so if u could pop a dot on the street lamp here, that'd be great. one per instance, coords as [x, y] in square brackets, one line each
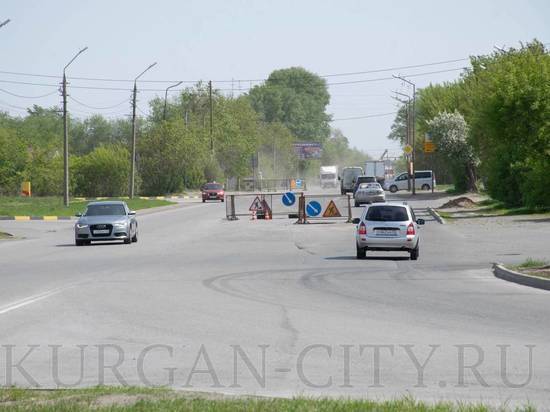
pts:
[413, 127]
[408, 130]
[4, 23]
[166, 97]
[66, 133]
[133, 150]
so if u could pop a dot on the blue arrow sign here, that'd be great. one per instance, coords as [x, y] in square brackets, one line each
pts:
[289, 199]
[313, 208]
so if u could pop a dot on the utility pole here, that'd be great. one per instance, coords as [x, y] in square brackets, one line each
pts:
[65, 130]
[211, 115]
[413, 133]
[133, 148]
[166, 98]
[407, 131]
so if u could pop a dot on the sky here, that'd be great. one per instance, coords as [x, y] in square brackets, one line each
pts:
[233, 41]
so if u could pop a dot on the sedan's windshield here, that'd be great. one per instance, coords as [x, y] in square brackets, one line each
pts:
[213, 186]
[387, 214]
[106, 210]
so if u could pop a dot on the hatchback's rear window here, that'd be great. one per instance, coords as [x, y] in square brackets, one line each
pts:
[387, 214]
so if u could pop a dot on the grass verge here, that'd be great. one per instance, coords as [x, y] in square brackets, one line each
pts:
[156, 400]
[53, 206]
[4, 235]
[491, 207]
[534, 267]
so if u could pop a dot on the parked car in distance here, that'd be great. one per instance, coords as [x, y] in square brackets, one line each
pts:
[369, 193]
[349, 176]
[362, 179]
[106, 221]
[212, 191]
[387, 227]
[423, 181]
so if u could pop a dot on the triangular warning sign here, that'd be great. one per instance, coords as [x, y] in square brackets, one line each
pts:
[257, 205]
[332, 210]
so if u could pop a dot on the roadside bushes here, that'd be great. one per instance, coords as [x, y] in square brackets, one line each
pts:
[13, 162]
[103, 172]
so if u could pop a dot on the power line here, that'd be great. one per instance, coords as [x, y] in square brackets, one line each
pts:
[368, 116]
[99, 108]
[106, 79]
[28, 97]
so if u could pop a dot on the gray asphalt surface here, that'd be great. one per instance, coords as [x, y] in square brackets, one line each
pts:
[273, 308]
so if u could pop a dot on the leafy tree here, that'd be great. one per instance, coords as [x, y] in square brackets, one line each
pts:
[450, 133]
[13, 161]
[296, 98]
[103, 172]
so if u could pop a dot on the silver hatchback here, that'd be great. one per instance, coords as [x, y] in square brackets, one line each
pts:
[388, 227]
[105, 221]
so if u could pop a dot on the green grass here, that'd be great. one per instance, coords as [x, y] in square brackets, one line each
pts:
[4, 235]
[156, 400]
[53, 206]
[530, 263]
[491, 207]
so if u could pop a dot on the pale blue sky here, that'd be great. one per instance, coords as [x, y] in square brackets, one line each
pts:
[224, 40]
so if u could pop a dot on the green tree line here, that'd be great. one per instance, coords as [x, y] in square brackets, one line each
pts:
[176, 147]
[491, 126]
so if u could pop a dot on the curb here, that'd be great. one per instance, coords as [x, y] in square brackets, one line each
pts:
[436, 215]
[84, 199]
[49, 218]
[506, 274]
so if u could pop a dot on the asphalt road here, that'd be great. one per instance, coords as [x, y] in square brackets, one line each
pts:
[273, 308]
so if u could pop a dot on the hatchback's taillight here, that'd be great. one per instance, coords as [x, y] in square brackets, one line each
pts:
[362, 229]
[410, 229]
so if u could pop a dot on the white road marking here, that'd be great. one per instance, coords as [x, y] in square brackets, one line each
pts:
[32, 299]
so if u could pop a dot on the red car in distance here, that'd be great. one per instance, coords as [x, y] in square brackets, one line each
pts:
[212, 191]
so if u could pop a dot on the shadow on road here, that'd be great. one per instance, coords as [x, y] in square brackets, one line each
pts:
[394, 258]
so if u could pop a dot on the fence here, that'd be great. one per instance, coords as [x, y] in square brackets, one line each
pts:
[289, 204]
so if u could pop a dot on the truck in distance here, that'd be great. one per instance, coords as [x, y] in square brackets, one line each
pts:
[328, 176]
[349, 178]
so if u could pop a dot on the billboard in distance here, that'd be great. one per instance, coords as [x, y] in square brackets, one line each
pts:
[308, 150]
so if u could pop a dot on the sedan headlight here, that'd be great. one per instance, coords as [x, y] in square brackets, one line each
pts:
[120, 225]
[81, 225]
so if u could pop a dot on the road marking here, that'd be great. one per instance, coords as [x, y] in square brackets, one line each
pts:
[32, 299]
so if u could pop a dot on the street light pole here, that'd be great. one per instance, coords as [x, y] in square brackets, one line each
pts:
[413, 128]
[133, 148]
[4, 22]
[166, 98]
[408, 131]
[66, 132]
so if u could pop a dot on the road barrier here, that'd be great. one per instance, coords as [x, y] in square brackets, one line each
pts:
[324, 207]
[262, 205]
[298, 205]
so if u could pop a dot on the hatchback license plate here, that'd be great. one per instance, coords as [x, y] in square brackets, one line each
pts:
[101, 232]
[386, 232]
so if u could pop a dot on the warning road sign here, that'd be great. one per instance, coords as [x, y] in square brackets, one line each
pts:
[258, 205]
[332, 210]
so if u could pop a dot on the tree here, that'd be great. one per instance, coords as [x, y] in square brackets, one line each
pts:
[103, 172]
[296, 98]
[13, 161]
[450, 133]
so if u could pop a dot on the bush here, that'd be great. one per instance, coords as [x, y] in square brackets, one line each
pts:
[103, 172]
[13, 159]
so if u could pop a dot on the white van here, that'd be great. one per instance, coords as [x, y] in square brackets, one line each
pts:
[423, 181]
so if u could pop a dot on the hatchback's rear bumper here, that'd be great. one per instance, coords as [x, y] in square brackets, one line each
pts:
[387, 243]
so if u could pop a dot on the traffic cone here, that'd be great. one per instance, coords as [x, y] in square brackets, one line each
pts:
[267, 215]
[253, 215]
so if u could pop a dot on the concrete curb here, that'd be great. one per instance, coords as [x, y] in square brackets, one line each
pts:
[91, 199]
[506, 274]
[436, 215]
[49, 218]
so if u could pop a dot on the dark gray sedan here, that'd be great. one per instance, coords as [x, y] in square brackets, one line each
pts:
[106, 221]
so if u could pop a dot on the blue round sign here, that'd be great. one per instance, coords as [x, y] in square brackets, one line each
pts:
[313, 208]
[289, 199]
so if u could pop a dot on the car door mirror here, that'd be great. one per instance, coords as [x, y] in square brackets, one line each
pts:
[355, 221]
[420, 221]
[132, 213]
[78, 214]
